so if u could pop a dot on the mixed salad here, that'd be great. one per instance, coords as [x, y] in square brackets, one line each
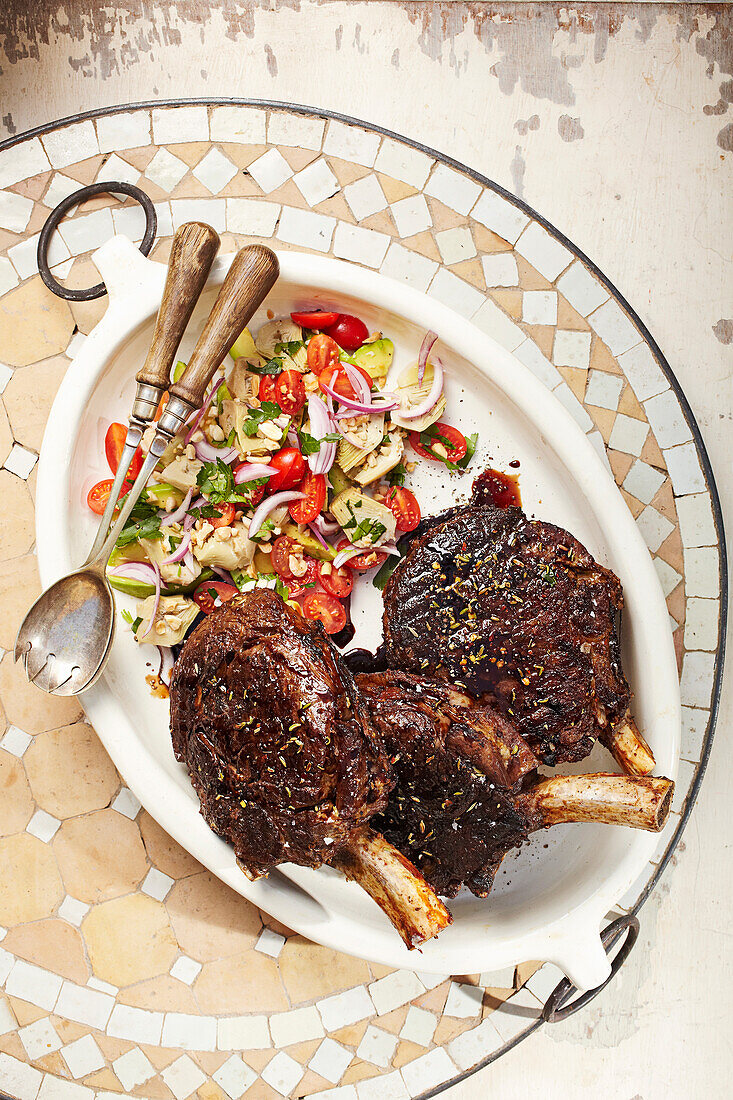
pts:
[291, 475]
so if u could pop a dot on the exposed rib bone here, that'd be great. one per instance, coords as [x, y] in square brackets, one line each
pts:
[628, 747]
[396, 885]
[641, 802]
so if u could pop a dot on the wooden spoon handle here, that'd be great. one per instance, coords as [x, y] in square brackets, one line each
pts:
[248, 281]
[194, 247]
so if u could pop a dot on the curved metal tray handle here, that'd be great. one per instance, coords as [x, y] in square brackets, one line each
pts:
[559, 1005]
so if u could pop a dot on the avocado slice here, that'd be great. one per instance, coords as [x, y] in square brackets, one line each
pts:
[309, 542]
[374, 358]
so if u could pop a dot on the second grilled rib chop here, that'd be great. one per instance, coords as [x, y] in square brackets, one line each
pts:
[283, 755]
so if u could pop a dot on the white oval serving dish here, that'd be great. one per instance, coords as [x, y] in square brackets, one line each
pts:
[550, 899]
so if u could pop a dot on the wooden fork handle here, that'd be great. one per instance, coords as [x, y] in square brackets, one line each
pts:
[194, 248]
[248, 281]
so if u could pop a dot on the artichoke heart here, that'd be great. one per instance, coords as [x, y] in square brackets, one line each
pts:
[243, 384]
[365, 521]
[412, 393]
[283, 331]
[372, 434]
[381, 461]
[172, 619]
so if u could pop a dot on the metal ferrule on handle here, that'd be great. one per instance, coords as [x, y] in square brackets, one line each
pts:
[146, 402]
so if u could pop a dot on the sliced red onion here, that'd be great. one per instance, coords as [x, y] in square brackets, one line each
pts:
[319, 536]
[422, 361]
[435, 391]
[188, 521]
[179, 515]
[167, 661]
[358, 382]
[148, 574]
[345, 555]
[322, 423]
[326, 526]
[268, 505]
[224, 574]
[189, 561]
[362, 406]
[207, 452]
[349, 436]
[179, 552]
[204, 408]
[251, 471]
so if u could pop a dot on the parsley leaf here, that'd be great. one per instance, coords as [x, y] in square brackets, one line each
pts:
[368, 528]
[291, 348]
[272, 366]
[268, 410]
[397, 474]
[267, 528]
[143, 523]
[432, 435]
[386, 570]
[217, 484]
[309, 445]
[471, 441]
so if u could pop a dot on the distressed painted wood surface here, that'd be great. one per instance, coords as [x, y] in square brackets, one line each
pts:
[614, 122]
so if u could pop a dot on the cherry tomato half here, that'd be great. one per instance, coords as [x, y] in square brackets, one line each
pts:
[341, 383]
[337, 582]
[114, 445]
[266, 391]
[290, 466]
[367, 559]
[315, 320]
[290, 391]
[404, 507]
[325, 608]
[323, 353]
[306, 510]
[300, 585]
[98, 495]
[212, 594]
[283, 548]
[225, 517]
[451, 439]
[348, 332]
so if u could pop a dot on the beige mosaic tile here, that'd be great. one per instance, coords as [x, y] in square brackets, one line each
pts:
[18, 805]
[49, 335]
[100, 855]
[30, 885]
[52, 944]
[69, 771]
[24, 706]
[129, 939]
[210, 920]
[309, 970]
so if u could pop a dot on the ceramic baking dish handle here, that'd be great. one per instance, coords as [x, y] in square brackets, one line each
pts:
[583, 958]
[563, 1001]
[129, 274]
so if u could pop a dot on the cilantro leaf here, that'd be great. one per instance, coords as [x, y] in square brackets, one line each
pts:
[272, 366]
[267, 528]
[143, 523]
[471, 442]
[385, 571]
[309, 445]
[290, 347]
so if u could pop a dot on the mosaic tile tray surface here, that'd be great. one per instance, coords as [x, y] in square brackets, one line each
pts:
[127, 968]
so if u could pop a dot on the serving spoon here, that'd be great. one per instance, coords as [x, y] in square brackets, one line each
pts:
[66, 636]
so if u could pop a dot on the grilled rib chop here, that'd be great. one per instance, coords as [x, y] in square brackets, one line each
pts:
[283, 755]
[516, 611]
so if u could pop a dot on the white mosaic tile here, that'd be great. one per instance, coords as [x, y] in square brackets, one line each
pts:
[456, 293]
[240, 125]
[500, 269]
[684, 469]
[252, 217]
[305, 228]
[419, 1026]
[695, 515]
[343, 1009]
[654, 527]
[528, 353]
[60, 188]
[500, 216]
[83, 1056]
[669, 578]
[298, 131]
[344, 1092]
[696, 679]
[25, 159]
[39, 1038]
[685, 775]
[296, 1026]
[377, 1046]
[387, 1086]
[365, 197]
[408, 267]
[136, 1024]
[86, 1006]
[411, 215]
[582, 289]
[88, 231]
[702, 566]
[668, 423]
[133, 1069]
[270, 943]
[453, 189]
[428, 1071]
[15, 741]
[243, 1033]
[185, 970]
[126, 803]
[235, 1077]
[34, 984]
[402, 162]
[210, 211]
[394, 990]
[643, 481]
[316, 182]
[214, 171]
[701, 624]
[628, 435]
[15, 211]
[364, 246]
[183, 1077]
[102, 987]
[456, 244]
[24, 259]
[117, 170]
[179, 124]
[643, 372]
[282, 1073]
[603, 390]
[127, 130]
[7, 962]
[166, 170]
[70, 144]
[8, 275]
[62, 270]
[463, 1001]
[571, 349]
[614, 327]
[543, 251]
[43, 826]
[54, 1088]
[331, 1060]
[694, 728]
[351, 143]
[516, 1015]
[8, 1021]
[567, 398]
[474, 1045]
[184, 1031]
[539, 307]
[156, 884]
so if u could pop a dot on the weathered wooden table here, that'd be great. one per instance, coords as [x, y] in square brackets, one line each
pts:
[613, 121]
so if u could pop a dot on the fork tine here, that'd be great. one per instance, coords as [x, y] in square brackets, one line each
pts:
[34, 662]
